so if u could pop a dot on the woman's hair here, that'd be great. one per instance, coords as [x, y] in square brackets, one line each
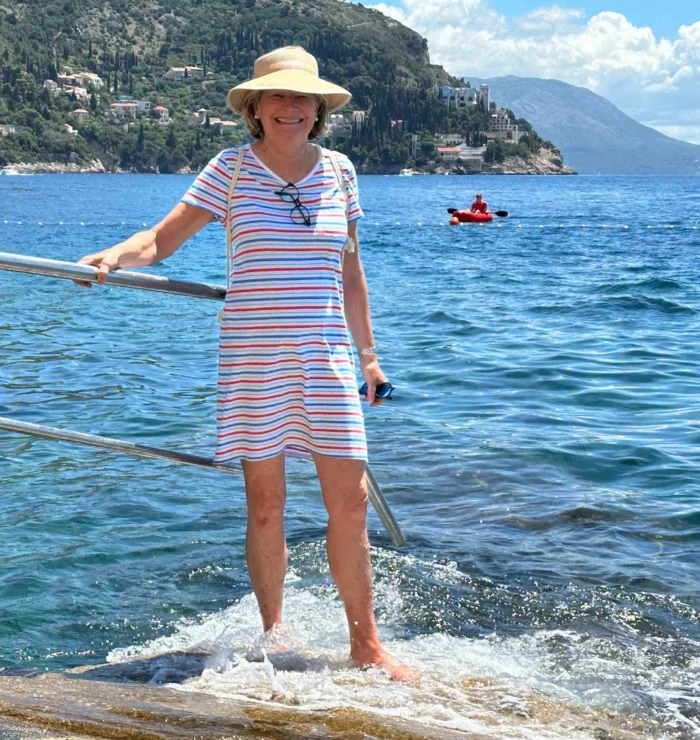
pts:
[251, 99]
[478, 195]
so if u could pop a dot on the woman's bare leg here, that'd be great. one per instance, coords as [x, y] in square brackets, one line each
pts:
[265, 546]
[345, 496]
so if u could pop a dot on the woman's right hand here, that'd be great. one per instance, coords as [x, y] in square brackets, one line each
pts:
[104, 261]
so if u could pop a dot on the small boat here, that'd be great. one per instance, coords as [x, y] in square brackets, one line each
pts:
[469, 217]
[9, 171]
[406, 173]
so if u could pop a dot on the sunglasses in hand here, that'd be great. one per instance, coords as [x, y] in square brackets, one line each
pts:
[382, 391]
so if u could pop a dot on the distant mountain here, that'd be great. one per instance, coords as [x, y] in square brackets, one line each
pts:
[594, 136]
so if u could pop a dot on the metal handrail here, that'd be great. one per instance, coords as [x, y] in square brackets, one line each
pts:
[142, 281]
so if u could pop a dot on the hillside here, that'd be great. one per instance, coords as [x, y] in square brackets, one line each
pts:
[594, 136]
[131, 47]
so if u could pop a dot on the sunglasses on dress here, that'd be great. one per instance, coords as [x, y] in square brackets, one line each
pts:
[290, 194]
[383, 390]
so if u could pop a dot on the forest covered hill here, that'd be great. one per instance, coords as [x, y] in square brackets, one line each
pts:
[131, 46]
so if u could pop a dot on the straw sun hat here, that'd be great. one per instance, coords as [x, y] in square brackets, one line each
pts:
[288, 68]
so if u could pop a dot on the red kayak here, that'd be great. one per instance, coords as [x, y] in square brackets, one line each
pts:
[469, 217]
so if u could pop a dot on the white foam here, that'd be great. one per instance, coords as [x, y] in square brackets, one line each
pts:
[488, 685]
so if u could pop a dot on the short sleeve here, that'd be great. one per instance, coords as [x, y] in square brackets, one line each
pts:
[347, 170]
[210, 189]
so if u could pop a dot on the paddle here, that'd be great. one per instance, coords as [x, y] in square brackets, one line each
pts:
[500, 214]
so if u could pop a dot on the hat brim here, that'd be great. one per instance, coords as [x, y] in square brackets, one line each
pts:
[293, 80]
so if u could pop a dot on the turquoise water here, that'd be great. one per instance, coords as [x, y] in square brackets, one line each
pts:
[541, 452]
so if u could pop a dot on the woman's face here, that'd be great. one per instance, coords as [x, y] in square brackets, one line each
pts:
[286, 115]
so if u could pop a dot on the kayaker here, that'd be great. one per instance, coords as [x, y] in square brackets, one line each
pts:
[479, 205]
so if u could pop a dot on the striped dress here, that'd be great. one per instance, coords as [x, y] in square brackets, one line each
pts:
[286, 373]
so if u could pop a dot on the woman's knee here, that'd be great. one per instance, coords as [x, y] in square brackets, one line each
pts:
[266, 509]
[265, 492]
[349, 507]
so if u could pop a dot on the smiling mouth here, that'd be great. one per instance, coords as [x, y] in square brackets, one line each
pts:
[279, 119]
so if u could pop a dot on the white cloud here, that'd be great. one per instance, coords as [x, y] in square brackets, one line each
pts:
[656, 81]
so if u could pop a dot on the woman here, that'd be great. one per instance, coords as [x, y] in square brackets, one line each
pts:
[286, 374]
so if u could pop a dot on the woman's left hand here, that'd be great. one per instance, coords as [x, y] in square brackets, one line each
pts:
[373, 376]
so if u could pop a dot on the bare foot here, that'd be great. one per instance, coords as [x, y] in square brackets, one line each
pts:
[278, 639]
[381, 659]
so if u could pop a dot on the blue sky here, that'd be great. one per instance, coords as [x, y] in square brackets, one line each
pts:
[664, 18]
[644, 57]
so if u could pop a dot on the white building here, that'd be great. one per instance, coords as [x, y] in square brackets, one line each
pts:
[358, 117]
[80, 79]
[471, 157]
[452, 139]
[81, 114]
[123, 110]
[448, 153]
[89, 78]
[52, 87]
[163, 114]
[175, 73]
[180, 73]
[143, 106]
[503, 127]
[463, 97]
[199, 118]
[80, 92]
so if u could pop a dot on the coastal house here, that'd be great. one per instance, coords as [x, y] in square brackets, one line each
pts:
[79, 92]
[89, 78]
[163, 114]
[123, 110]
[451, 139]
[470, 157]
[80, 79]
[81, 114]
[10, 128]
[502, 126]
[52, 87]
[463, 97]
[199, 117]
[182, 73]
[448, 153]
[175, 73]
[69, 129]
[143, 106]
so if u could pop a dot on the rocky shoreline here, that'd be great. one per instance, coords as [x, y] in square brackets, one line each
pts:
[545, 162]
[56, 168]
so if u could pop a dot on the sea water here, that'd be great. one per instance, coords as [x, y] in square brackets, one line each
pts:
[541, 454]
